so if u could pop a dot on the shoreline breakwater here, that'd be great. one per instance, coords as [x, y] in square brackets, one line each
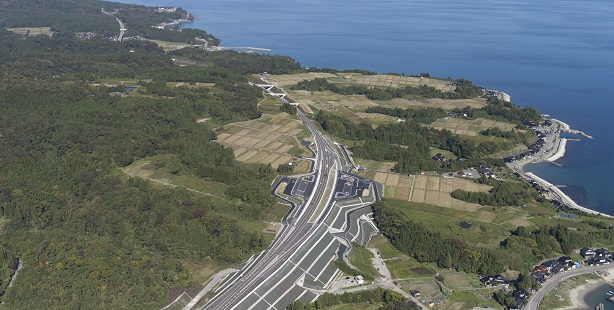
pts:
[553, 149]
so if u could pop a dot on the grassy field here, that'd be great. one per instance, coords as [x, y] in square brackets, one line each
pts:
[461, 300]
[170, 46]
[157, 170]
[202, 271]
[362, 306]
[448, 221]
[374, 165]
[291, 79]
[32, 31]
[446, 154]
[361, 258]
[348, 78]
[471, 128]
[271, 139]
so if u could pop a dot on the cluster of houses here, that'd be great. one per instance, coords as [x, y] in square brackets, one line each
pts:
[541, 132]
[533, 149]
[544, 271]
[540, 189]
[454, 114]
[166, 10]
[484, 170]
[498, 94]
[519, 295]
[547, 269]
[596, 257]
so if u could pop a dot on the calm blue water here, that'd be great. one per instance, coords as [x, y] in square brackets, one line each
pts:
[556, 55]
[599, 295]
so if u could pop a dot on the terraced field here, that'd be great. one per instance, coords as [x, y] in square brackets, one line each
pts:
[470, 128]
[432, 190]
[271, 139]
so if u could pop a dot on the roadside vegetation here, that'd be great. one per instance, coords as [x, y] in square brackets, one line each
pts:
[386, 299]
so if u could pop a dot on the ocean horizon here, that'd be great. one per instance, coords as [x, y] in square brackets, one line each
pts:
[554, 55]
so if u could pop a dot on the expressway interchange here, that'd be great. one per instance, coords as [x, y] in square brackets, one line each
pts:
[298, 265]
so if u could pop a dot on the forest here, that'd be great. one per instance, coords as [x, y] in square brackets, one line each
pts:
[87, 235]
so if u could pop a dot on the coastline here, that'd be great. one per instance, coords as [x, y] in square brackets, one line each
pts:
[577, 295]
[553, 149]
[550, 152]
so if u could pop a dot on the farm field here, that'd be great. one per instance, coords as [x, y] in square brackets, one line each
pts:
[271, 139]
[291, 79]
[32, 31]
[446, 104]
[432, 190]
[470, 128]
[389, 80]
[381, 80]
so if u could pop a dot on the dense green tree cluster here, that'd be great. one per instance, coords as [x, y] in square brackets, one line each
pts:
[391, 300]
[242, 63]
[420, 115]
[288, 108]
[8, 266]
[546, 240]
[504, 111]
[61, 15]
[467, 89]
[68, 58]
[60, 145]
[502, 194]
[504, 298]
[382, 93]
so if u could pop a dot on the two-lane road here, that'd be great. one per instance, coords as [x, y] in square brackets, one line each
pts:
[533, 302]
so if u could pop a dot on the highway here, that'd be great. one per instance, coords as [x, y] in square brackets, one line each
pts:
[244, 293]
[533, 302]
[122, 27]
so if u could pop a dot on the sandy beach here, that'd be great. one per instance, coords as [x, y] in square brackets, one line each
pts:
[577, 295]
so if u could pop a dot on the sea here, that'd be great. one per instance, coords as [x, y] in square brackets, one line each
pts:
[555, 55]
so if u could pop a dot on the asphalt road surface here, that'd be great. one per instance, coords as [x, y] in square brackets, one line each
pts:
[533, 302]
[271, 266]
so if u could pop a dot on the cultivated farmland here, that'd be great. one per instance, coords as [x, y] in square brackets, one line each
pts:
[271, 139]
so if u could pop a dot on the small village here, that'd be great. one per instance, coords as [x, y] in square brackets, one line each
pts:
[546, 270]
